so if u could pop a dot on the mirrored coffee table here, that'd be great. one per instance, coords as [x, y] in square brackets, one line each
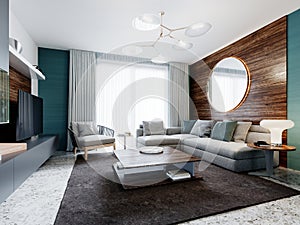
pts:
[136, 169]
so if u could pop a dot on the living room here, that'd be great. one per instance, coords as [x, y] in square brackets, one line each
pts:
[96, 62]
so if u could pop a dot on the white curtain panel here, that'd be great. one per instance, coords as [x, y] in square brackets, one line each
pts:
[129, 92]
[81, 87]
[178, 93]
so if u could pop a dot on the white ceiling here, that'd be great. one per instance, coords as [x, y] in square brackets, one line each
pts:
[105, 25]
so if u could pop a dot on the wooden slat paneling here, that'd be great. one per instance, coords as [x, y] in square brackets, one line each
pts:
[264, 52]
[17, 81]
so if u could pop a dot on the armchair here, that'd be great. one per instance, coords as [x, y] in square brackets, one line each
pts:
[86, 136]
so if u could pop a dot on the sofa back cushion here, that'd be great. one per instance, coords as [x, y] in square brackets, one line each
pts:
[153, 127]
[202, 128]
[223, 131]
[258, 133]
[187, 126]
[241, 131]
[259, 129]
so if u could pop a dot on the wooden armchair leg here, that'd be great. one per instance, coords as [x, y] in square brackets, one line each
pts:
[85, 154]
[114, 146]
[75, 150]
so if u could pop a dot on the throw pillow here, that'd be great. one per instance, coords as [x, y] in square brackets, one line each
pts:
[86, 128]
[202, 128]
[223, 131]
[196, 128]
[205, 127]
[187, 126]
[241, 131]
[153, 127]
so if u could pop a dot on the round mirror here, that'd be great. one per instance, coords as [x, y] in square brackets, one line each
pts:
[228, 85]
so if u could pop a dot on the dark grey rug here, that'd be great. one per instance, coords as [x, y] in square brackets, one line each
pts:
[92, 199]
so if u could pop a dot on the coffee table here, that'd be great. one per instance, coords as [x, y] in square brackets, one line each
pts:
[136, 169]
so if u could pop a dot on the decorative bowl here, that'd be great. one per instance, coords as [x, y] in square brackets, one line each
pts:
[15, 44]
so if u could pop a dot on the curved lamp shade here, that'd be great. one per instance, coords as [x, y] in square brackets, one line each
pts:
[197, 29]
[182, 45]
[276, 128]
[146, 22]
[159, 59]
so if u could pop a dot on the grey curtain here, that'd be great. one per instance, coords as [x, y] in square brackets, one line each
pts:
[178, 93]
[82, 91]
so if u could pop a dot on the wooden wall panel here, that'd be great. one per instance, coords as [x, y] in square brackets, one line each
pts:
[264, 52]
[16, 81]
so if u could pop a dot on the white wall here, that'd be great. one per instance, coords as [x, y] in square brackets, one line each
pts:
[30, 49]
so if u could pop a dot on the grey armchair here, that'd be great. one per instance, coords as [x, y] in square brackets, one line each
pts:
[86, 136]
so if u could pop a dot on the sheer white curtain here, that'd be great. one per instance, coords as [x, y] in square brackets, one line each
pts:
[128, 93]
[178, 93]
[82, 93]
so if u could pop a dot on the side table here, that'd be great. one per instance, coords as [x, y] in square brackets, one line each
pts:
[124, 135]
[269, 156]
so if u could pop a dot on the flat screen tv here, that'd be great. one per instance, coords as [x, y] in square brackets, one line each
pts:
[30, 116]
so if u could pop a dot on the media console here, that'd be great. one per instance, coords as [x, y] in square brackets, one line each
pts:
[16, 168]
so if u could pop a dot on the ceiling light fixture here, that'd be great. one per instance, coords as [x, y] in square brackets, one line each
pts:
[147, 22]
[132, 50]
[181, 45]
[159, 59]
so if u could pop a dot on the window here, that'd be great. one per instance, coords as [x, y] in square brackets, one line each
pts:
[129, 94]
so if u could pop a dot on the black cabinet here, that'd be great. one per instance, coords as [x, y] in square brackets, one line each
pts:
[16, 170]
[6, 180]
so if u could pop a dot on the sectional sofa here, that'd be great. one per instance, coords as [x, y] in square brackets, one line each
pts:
[232, 155]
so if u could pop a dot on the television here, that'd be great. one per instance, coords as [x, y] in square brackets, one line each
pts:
[30, 116]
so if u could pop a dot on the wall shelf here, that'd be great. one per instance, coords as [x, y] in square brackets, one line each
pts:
[21, 64]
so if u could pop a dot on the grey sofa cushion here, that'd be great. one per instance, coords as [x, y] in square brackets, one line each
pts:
[153, 127]
[184, 136]
[139, 132]
[259, 129]
[228, 163]
[155, 140]
[258, 133]
[231, 150]
[187, 126]
[202, 128]
[91, 140]
[85, 129]
[223, 131]
[80, 126]
[241, 131]
[256, 136]
[173, 130]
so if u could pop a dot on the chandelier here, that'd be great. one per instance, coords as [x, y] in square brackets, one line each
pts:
[148, 22]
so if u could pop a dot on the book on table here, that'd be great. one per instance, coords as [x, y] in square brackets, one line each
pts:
[178, 174]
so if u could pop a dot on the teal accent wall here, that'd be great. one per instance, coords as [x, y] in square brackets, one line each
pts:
[54, 91]
[293, 93]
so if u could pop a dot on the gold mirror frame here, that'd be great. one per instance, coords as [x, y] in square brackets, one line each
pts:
[242, 98]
